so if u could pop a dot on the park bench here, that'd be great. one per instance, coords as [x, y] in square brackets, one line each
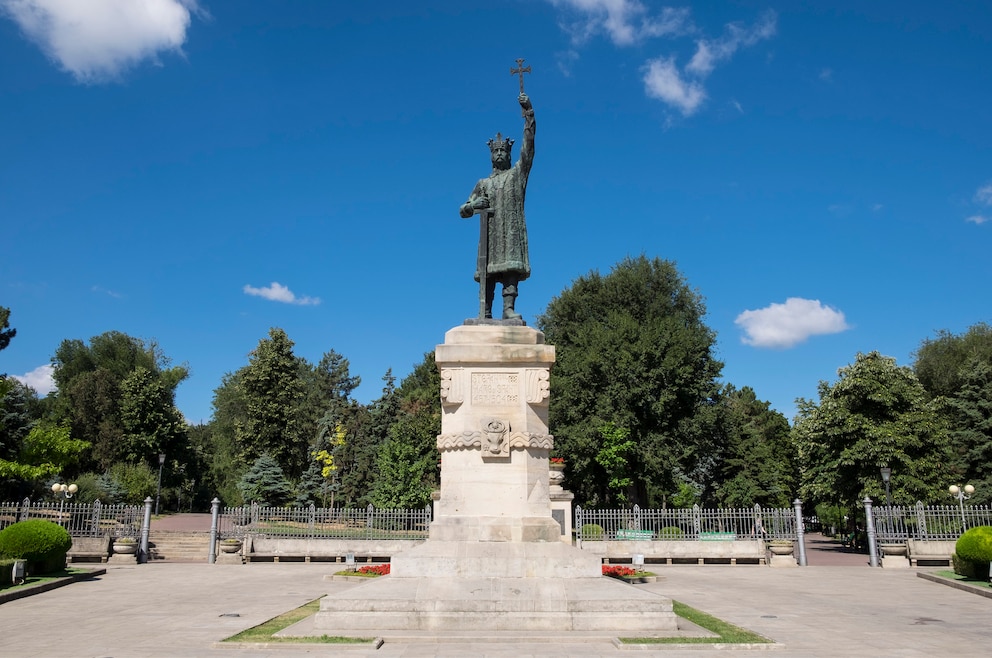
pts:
[929, 551]
[89, 549]
[259, 548]
[721, 550]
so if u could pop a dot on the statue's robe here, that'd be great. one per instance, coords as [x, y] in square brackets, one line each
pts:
[506, 191]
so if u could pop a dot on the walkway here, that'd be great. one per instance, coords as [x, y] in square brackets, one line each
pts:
[166, 610]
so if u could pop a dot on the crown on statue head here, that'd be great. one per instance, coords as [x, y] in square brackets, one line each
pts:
[506, 144]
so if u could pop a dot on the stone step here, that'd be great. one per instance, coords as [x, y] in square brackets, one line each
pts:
[179, 546]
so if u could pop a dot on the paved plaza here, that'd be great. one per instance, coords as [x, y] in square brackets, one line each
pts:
[185, 609]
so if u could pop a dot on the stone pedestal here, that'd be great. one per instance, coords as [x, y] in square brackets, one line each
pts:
[494, 559]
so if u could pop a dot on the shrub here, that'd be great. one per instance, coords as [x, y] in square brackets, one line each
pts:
[973, 552]
[593, 531]
[670, 532]
[6, 570]
[41, 543]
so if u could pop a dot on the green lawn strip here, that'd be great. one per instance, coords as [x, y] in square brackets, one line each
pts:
[728, 633]
[266, 631]
[32, 581]
[950, 575]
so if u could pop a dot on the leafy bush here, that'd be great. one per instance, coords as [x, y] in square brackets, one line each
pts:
[6, 570]
[42, 543]
[670, 532]
[973, 552]
[593, 532]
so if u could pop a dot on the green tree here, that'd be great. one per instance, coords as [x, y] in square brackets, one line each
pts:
[970, 416]
[265, 483]
[941, 364]
[6, 332]
[367, 430]
[614, 458]
[632, 350]
[89, 394]
[875, 414]
[756, 462]
[272, 390]
[150, 421]
[47, 449]
[408, 461]
[955, 371]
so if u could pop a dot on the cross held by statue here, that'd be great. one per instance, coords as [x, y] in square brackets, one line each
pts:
[520, 70]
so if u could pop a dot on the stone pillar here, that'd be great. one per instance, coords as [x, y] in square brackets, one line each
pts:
[494, 439]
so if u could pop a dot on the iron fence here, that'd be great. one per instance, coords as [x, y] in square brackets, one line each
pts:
[686, 524]
[897, 524]
[80, 519]
[324, 523]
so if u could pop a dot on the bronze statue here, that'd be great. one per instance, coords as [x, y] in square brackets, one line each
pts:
[499, 199]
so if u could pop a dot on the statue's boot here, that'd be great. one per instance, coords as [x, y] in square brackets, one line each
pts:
[509, 300]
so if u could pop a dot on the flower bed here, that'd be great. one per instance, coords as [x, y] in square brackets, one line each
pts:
[374, 570]
[628, 574]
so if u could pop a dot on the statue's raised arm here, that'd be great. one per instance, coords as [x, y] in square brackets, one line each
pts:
[527, 150]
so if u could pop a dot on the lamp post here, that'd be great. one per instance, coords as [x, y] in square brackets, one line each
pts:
[886, 474]
[63, 492]
[962, 494]
[158, 491]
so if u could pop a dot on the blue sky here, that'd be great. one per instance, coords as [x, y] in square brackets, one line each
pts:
[195, 173]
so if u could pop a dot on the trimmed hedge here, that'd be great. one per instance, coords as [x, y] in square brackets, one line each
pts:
[593, 531]
[41, 543]
[6, 570]
[973, 552]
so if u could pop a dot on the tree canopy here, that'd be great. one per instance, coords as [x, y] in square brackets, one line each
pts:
[632, 351]
[876, 414]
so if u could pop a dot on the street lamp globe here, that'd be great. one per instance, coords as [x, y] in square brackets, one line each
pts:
[968, 489]
[57, 488]
[954, 489]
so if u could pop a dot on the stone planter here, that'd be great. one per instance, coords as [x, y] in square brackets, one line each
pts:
[781, 554]
[895, 556]
[228, 546]
[125, 548]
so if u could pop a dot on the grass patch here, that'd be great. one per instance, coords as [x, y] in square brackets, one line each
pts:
[728, 633]
[950, 575]
[266, 631]
[31, 581]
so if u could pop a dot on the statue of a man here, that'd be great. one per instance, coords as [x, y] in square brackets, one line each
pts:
[503, 193]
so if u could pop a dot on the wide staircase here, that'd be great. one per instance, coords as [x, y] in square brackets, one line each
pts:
[178, 546]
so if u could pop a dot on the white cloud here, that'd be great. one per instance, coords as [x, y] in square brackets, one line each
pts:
[95, 40]
[710, 52]
[276, 292]
[977, 219]
[109, 293]
[40, 379]
[984, 194]
[626, 22]
[827, 74]
[663, 81]
[786, 325]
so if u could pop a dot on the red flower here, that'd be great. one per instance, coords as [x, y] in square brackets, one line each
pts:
[617, 571]
[377, 569]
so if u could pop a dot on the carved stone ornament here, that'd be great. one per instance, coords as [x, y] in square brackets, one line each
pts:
[520, 440]
[494, 433]
[452, 386]
[538, 387]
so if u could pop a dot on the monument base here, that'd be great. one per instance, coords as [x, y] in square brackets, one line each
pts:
[495, 586]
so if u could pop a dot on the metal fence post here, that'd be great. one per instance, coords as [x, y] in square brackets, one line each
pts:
[578, 526]
[214, 511]
[146, 526]
[870, 523]
[95, 518]
[800, 531]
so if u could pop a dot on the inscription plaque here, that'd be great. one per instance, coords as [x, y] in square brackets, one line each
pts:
[495, 388]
